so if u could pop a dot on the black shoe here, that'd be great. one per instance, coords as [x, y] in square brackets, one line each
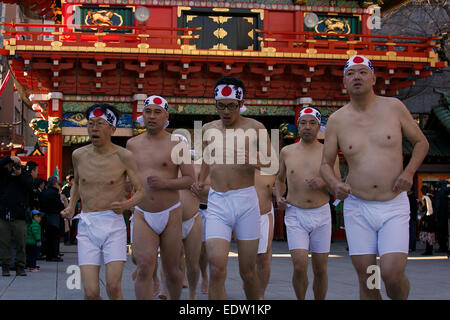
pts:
[60, 254]
[54, 260]
[426, 253]
[5, 271]
[20, 271]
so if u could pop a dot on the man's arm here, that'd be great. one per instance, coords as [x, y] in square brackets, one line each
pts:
[265, 155]
[329, 159]
[412, 132]
[69, 211]
[184, 182]
[132, 173]
[280, 182]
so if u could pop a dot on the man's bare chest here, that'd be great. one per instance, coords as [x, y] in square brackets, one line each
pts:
[358, 138]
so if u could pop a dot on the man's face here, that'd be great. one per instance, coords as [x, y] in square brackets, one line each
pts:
[359, 79]
[100, 131]
[308, 128]
[228, 110]
[154, 117]
[34, 172]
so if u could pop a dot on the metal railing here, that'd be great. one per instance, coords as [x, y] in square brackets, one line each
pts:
[174, 38]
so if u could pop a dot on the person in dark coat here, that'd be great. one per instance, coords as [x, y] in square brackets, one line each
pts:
[441, 205]
[51, 205]
[16, 188]
[412, 219]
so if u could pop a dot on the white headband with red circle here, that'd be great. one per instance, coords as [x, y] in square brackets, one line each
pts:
[159, 101]
[227, 91]
[309, 111]
[358, 60]
[109, 116]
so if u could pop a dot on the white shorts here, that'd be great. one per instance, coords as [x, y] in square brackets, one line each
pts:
[236, 210]
[186, 226]
[264, 231]
[101, 232]
[202, 213]
[372, 225]
[308, 228]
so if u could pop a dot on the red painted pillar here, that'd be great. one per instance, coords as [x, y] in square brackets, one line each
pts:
[138, 105]
[54, 154]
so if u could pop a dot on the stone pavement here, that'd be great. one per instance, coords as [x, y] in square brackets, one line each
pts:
[429, 278]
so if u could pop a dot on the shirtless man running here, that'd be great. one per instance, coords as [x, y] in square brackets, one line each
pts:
[264, 188]
[157, 218]
[232, 200]
[368, 130]
[308, 217]
[100, 172]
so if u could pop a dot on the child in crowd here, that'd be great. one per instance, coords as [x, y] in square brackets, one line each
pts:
[33, 240]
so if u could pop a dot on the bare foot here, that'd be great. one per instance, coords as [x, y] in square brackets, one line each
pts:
[162, 296]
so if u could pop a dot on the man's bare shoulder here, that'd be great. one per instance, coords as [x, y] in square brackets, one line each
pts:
[339, 114]
[212, 124]
[286, 150]
[391, 103]
[135, 140]
[253, 123]
[82, 151]
[125, 155]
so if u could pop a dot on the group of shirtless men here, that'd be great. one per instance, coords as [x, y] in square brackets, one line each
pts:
[177, 202]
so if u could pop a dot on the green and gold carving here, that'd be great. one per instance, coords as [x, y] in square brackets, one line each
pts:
[82, 106]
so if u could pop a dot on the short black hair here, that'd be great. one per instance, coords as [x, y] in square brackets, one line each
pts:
[230, 80]
[38, 181]
[104, 107]
[69, 177]
[52, 181]
[30, 166]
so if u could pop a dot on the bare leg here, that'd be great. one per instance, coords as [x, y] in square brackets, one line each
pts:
[392, 267]
[361, 263]
[264, 260]
[163, 293]
[145, 246]
[300, 275]
[91, 282]
[192, 248]
[247, 252]
[170, 254]
[319, 266]
[156, 282]
[113, 274]
[217, 251]
[203, 266]
[183, 266]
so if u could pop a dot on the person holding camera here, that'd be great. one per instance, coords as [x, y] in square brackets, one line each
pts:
[16, 187]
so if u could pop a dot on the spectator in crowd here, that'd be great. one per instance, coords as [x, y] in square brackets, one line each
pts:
[441, 206]
[51, 205]
[33, 240]
[39, 186]
[70, 236]
[412, 219]
[427, 223]
[16, 188]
